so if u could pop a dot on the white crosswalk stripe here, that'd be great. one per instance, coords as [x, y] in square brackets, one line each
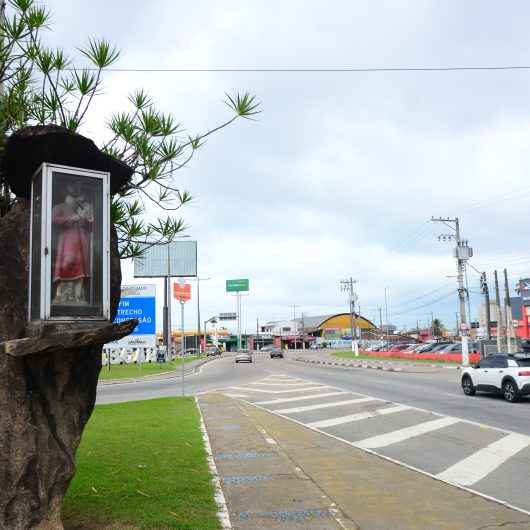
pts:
[325, 405]
[288, 391]
[299, 398]
[481, 463]
[401, 435]
[285, 384]
[332, 422]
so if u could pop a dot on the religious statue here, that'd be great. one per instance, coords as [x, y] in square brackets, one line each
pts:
[73, 220]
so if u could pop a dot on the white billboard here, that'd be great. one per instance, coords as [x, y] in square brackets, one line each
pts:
[178, 258]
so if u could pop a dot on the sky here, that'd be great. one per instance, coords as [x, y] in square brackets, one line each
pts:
[341, 172]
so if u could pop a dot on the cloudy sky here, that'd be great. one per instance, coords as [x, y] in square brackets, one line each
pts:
[341, 172]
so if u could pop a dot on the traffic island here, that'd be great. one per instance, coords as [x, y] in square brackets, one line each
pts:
[142, 465]
[278, 474]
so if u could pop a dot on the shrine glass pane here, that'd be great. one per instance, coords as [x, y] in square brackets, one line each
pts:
[76, 246]
[36, 248]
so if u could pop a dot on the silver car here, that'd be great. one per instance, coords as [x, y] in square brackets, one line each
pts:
[244, 356]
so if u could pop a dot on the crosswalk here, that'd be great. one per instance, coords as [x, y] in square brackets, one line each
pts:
[486, 460]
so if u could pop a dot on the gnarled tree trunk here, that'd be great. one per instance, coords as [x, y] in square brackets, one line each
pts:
[46, 398]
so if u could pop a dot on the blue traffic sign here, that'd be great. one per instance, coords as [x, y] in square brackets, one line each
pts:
[141, 307]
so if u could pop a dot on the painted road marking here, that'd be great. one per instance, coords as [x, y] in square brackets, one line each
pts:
[247, 389]
[293, 383]
[236, 395]
[298, 398]
[356, 417]
[325, 405]
[401, 435]
[480, 464]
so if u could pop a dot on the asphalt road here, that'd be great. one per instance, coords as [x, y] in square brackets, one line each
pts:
[421, 420]
[437, 391]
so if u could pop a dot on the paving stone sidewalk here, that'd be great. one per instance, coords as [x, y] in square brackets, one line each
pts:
[277, 474]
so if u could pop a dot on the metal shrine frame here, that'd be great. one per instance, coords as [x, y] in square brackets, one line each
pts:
[47, 171]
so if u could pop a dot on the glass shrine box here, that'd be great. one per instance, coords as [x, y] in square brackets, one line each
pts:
[69, 244]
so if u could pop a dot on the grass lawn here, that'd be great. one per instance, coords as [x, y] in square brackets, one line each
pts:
[142, 465]
[347, 354]
[125, 371]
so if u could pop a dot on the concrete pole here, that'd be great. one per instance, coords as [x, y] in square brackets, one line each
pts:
[499, 313]
[183, 344]
[238, 302]
[508, 313]
[460, 270]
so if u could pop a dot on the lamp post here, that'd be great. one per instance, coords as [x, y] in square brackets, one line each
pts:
[199, 280]
[347, 287]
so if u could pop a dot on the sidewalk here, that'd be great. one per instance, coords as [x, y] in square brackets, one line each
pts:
[278, 474]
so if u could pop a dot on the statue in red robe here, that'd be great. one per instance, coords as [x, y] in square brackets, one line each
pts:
[73, 220]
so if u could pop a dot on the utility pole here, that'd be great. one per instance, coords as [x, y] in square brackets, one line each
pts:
[386, 317]
[508, 313]
[462, 253]
[347, 287]
[486, 292]
[257, 334]
[295, 324]
[499, 312]
[432, 324]
[303, 332]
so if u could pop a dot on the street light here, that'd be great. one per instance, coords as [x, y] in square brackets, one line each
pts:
[199, 280]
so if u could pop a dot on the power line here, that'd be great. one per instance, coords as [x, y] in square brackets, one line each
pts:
[305, 69]
[428, 304]
[425, 295]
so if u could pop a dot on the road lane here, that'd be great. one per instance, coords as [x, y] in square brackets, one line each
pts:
[437, 392]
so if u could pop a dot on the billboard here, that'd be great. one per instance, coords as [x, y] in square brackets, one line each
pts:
[137, 301]
[181, 256]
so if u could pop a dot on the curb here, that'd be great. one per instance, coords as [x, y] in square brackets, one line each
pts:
[156, 377]
[352, 365]
[364, 364]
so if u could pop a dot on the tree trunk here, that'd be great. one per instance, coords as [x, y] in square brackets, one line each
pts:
[46, 398]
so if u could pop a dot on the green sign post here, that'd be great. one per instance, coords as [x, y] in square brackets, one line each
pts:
[235, 286]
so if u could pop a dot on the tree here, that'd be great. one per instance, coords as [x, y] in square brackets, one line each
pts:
[437, 327]
[42, 86]
[48, 377]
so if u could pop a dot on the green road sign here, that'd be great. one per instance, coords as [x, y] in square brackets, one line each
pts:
[233, 286]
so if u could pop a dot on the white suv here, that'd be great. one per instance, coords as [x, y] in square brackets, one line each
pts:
[501, 373]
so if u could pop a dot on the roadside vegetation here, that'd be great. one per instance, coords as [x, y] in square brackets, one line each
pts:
[133, 370]
[142, 465]
[347, 354]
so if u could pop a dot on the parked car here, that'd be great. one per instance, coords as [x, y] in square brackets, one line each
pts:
[212, 351]
[439, 346]
[456, 347]
[501, 373]
[244, 356]
[276, 352]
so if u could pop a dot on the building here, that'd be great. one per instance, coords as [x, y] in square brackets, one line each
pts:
[307, 330]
